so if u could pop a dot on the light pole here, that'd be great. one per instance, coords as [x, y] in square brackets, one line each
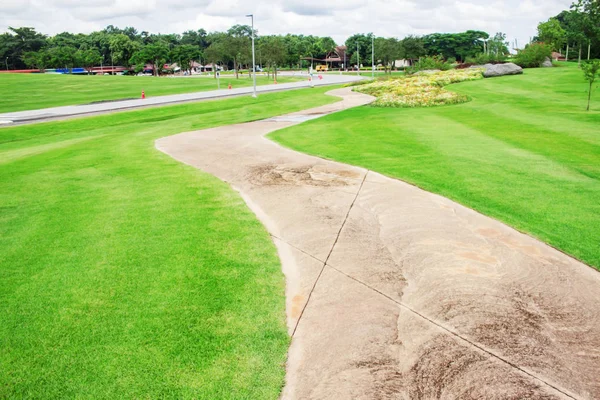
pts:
[6, 63]
[357, 60]
[372, 56]
[251, 16]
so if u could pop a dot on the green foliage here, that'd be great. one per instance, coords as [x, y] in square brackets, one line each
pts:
[122, 49]
[272, 49]
[364, 48]
[185, 54]
[533, 55]
[414, 47]
[430, 63]
[591, 71]
[88, 58]
[581, 25]
[456, 45]
[497, 46]
[387, 51]
[155, 54]
[483, 58]
[552, 33]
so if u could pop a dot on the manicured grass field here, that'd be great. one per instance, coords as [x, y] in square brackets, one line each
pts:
[524, 151]
[125, 274]
[33, 91]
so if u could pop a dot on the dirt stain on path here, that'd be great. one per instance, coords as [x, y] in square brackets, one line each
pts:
[397, 293]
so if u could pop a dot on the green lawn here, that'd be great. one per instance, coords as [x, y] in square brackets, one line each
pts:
[524, 151]
[125, 274]
[33, 91]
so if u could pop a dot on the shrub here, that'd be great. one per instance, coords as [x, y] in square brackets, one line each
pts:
[484, 58]
[424, 90]
[428, 63]
[533, 55]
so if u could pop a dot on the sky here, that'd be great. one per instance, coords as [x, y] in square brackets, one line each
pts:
[336, 18]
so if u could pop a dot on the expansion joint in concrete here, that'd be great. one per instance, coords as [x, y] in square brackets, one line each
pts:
[337, 237]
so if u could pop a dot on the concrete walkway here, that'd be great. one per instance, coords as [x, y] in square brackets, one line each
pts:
[397, 293]
[23, 117]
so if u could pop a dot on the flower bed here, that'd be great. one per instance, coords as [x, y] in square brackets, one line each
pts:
[420, 90]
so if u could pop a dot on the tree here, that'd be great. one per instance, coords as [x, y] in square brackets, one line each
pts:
[327, 45]
[216, 52]
[155, 54]
[195, 38]
[63, 57]
[237, 46]
[36, 59]
[122, 48]
[591, 71]
[16, 42]
[455, 45]
[88, 58]
[498, 45]
[414, 47]
[552, 33]
[364, 47]
[186, 54]
[388, 51]
[273, 52]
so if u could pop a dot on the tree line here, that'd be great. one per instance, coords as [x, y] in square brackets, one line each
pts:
[575, 32]
[24, 47]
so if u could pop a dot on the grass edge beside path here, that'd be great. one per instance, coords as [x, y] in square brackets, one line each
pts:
[524, 151]
[126, 274]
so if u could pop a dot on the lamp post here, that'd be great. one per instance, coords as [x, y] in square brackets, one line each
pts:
[372, 56]
[251, 16]
[357, 60]
[6, 63]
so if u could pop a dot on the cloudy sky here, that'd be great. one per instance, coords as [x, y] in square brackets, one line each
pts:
[335, 18]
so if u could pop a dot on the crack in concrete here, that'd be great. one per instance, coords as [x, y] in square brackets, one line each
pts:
[328, 255]
[422, 316]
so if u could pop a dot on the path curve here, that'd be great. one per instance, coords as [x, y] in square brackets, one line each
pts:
[397, 293]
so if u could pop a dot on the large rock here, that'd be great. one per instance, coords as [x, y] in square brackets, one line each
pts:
[492, 70]
[547, 63]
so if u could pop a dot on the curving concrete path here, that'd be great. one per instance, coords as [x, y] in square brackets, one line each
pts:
[397, 293]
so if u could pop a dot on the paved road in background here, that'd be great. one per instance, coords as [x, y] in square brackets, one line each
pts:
[31, 116]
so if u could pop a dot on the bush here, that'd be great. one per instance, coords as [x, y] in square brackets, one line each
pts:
[533, 55]
[429, 63]
[483, 58]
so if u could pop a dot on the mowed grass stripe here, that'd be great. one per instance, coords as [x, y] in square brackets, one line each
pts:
[520, 152]
[125, 274]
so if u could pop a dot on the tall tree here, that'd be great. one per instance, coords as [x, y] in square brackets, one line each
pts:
[552, 33]
[414, 47]
[18, 41]
[273, 52]
[156, 54]
[455, 45]
[88, 58]
[498, 45]
[122, 48]
[388, 50]
[185, 55]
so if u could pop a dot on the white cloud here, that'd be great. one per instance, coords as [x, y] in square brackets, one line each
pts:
[336, 18]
